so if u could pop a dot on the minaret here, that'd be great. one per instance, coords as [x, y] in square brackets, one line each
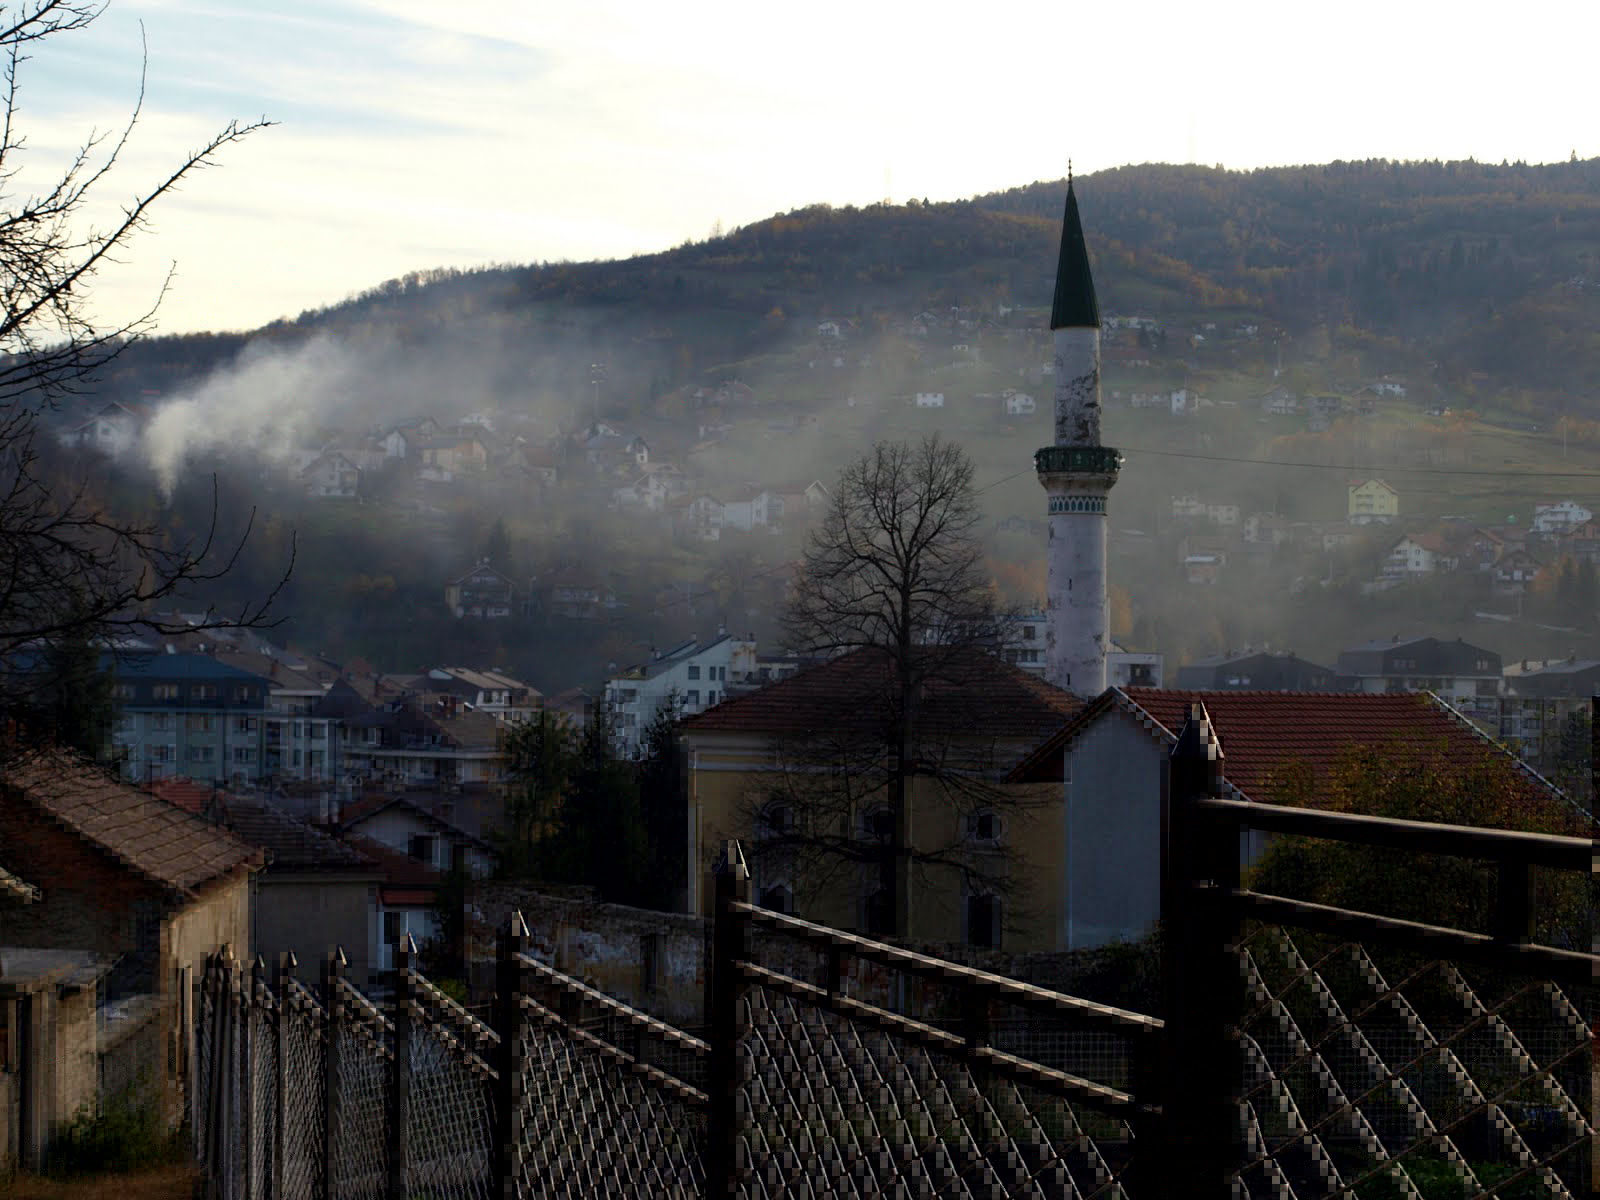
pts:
[1077, 473]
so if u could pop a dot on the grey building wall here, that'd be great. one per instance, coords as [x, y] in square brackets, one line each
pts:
[310, 914]
[1113, 834]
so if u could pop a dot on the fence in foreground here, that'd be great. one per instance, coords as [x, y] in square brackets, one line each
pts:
[1307, 1052]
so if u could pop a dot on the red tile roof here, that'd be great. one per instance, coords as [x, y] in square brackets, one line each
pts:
[148, 835]
[185, 793]
[974, 693]
[1263, 733]
[406, 880]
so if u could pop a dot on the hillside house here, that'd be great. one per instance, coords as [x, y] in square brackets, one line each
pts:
[578, 597]
[1417, 555]
[1513, 571]
[1107, 764]
[483, 593]
[751, 509]
[1559, 516]
[505, 699]
[1018, 404]
[1582, 542]
[405, 440]
[331, 475]
[112, 429]
[1279, 401]
[928, 400]
[1371, 502]
[408, 827]
[698, 519]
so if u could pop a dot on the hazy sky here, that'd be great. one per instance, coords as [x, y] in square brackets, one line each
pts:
[410, 137]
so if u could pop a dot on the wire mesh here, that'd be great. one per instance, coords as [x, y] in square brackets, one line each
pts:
[450, 1120]
[592, 1127]
[303, 1050]
[1385, 1073]
[204, 1067]
[264, 1094]
[831, 1107]
[364, 1050]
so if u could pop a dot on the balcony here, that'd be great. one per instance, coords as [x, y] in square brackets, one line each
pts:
[1081, 460]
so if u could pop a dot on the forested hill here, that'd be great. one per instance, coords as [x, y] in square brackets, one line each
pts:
[1482, 269]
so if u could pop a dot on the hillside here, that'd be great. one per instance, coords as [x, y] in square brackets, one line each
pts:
[1487, 277]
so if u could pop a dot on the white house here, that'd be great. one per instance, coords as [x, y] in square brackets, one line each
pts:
[700, 518]
[1559, 517]
[1415, 555]
[1108, 760]
[112, 429]
[752, 509]
[1019, 404]
[929, 399]
[698, 675]
[827, 329]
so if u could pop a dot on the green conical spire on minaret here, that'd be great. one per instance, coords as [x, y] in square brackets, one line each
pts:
[1075, 305]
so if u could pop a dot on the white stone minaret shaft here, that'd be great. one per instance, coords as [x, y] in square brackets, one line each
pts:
[1077, 473]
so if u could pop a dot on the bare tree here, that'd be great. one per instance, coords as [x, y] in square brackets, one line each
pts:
[68, 566]
[894, 591]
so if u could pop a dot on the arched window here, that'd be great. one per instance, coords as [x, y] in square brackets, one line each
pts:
[777, 819]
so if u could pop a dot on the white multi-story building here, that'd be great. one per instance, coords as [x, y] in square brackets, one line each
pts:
[1559, 517]
[1024, 645]
[696, 674]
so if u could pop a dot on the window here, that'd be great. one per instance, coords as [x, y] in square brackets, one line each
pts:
[297, 758]
[164, 691]
[202, 754]
[650, 962]
[244, 754]
[123, 691]
[244, 695]
[202, 723]
[984, 826]
[694, 672]
[878, 823]
[421, 847]
[693, 696]
[163, 753]
[983, 921]
[1027, 633]
[160, 723]
[777, 819]
[317, 730]
[244, 724]
[314, 758]
[203, 691]
[877, 913]
[394, 927]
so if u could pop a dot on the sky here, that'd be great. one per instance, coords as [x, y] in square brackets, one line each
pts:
[409, 137]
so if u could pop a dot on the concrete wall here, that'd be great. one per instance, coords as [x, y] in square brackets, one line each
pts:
[310, 913]
[132, 1061]
[77, 1052]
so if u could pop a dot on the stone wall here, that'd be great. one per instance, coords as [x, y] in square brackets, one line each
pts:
[610, 946]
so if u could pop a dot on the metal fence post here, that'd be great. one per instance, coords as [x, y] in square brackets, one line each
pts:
[506, 1150]
[247, 1077]
[1199, 984]
[400, 1070]
[332, 971]
[730, 946]
[280, 1069]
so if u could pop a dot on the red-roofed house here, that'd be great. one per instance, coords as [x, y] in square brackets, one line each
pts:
[1108, 761]
[979, 714]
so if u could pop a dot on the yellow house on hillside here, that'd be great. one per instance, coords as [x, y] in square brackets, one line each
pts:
[798, 772]
[1372, 501]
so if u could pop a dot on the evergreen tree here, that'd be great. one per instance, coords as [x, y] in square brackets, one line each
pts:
[541, 756]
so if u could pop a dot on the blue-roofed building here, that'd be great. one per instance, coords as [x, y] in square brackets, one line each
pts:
[189, 714]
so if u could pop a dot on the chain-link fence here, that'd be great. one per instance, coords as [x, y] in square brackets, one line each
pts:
[1376, 1073]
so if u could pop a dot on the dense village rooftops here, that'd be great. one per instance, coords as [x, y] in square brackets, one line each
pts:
[290, 843]
[971, 694]
[1264, 734]
[162, 843]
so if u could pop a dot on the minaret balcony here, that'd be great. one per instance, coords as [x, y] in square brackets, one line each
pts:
[1078, 460]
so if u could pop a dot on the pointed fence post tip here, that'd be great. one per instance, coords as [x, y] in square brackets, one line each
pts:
[516, 926]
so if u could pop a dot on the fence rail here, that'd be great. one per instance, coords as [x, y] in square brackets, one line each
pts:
[1305, 1051]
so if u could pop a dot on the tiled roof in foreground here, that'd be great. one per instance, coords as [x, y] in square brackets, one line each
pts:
[975, 694]
[160, 842]
[1264, 733]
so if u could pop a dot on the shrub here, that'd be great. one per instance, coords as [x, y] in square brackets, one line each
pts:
[126, 1133]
